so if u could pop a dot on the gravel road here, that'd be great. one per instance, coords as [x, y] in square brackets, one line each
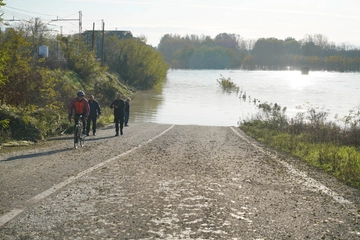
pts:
[161, 181]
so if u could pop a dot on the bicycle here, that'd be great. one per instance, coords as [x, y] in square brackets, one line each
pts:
[79, 137]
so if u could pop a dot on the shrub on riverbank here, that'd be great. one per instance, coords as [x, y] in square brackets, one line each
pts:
[308, 136]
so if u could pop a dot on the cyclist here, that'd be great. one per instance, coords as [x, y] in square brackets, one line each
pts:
[80, 106]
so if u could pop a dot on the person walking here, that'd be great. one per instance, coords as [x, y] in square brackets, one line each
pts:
[118, 105]
[127, 112]
[95, 112]
[80, 106]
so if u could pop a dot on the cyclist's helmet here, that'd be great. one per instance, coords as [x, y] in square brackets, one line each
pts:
[80, 93]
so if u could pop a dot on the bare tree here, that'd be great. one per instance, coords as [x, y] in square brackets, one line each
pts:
[320, 40]
[37, 33]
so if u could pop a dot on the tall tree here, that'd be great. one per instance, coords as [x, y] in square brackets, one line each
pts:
[321, 41]
[227, 40]
[210, 58]
[169, 45]
[79, 59]
[310, 49]
[36, 33]
[267, 52]
[181, 59]
[202, 52]
[1, 5]
[137, 63]
[23, 78]
[291, 46]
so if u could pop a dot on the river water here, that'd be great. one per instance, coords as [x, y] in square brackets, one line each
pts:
[194, 96]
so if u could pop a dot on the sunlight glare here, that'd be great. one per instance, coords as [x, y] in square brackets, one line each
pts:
[298, 81]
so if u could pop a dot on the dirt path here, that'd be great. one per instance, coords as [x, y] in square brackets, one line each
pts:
[169, 182]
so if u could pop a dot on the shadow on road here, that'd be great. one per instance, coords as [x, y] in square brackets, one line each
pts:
[35, 155]
[61, 138]
[90, 139]
[67, 138]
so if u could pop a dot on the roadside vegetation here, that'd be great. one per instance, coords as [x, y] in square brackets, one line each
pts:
[35, 90]
[334, 147]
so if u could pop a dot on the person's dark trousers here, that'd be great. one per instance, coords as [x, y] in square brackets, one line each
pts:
[93, 119]
[126, 118]
[119, 120]
[77, 117]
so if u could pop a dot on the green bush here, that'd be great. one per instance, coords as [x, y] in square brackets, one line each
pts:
[29, 124]
[138, 64]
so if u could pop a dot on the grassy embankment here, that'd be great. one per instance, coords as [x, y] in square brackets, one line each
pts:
[33, 123]
[322, 144]
[327, 145]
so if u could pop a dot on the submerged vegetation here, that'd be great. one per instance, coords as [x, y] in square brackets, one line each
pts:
[323, 144]
[227, 85]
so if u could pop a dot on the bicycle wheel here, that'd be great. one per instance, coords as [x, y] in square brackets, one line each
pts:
[82, 139]
[76, 137]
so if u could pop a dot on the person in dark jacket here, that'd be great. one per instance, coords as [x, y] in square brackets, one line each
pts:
[95, 112]
[127, 112]
[80, 107]
[118, 105]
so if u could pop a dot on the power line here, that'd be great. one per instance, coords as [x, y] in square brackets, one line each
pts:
[28, 11]
[70, 19]
[49, 15]
[13, 14]
[11, 20]
[22, 15]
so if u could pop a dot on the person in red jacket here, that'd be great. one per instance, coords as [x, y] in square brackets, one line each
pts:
[80, 107]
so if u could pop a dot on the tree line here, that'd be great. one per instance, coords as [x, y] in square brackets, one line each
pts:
[231, 51]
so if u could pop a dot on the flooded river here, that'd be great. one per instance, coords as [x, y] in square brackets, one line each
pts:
[194, 96]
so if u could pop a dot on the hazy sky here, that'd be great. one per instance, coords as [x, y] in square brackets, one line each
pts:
[338, 20]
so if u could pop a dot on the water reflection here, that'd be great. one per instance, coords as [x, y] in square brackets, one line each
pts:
[145, 104]
[194, 97]
[188, 98]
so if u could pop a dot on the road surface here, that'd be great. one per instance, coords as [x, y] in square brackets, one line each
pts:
[161, 181]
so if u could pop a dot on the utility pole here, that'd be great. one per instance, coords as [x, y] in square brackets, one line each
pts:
[93, 38]
[102, 47]
[72, 19]
[80, 23]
